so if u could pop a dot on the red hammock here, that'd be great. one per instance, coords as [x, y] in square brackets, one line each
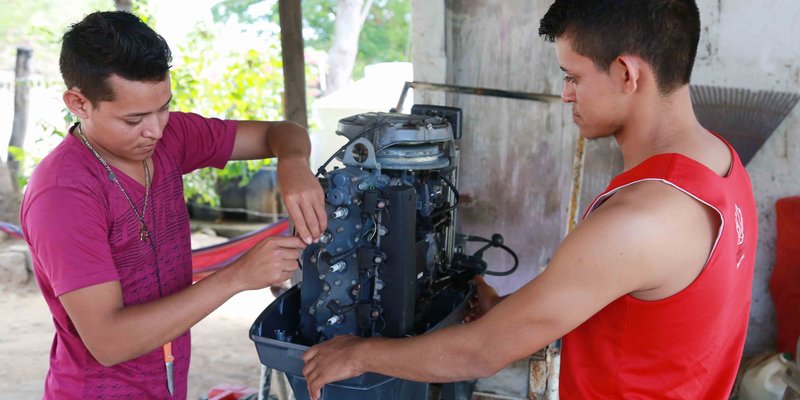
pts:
[206, 260]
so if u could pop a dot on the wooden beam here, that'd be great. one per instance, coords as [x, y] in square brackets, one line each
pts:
[123, 5]
[22, 89]
[294, 77]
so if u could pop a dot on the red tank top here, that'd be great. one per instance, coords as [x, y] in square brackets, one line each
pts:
[687, 346]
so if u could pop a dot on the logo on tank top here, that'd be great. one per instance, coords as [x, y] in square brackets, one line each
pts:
[739, 235]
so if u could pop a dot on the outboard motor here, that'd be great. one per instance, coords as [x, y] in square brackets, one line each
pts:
[390, 263]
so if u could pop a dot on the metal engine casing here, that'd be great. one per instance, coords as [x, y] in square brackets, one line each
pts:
[391, 228]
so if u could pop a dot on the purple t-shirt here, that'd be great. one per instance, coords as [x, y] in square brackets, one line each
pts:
[82, 232]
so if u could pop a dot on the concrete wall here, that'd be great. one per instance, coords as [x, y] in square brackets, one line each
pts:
[517, 155]
[757, 46]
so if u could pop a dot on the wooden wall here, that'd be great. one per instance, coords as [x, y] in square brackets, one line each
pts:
[516, 155]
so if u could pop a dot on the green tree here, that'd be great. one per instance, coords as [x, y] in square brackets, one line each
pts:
[40, 24]
[385, 35]
[214, 82]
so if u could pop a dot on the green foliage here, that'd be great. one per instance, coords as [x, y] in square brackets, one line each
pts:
[386, 35]
[141, 8]
[40, 24]
[225, 83]
[29, 159]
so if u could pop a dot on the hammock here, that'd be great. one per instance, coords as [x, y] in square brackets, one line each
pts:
[12, 230]
[206, 260]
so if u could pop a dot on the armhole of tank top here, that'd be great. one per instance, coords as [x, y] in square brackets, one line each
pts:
[731, 152]
[601, 199]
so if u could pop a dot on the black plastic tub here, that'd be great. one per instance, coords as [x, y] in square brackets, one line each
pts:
[272, 334]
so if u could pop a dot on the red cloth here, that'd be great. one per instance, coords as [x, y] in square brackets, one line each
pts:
[784, 283]
[206, 260]
[687, 346]
[225, 391]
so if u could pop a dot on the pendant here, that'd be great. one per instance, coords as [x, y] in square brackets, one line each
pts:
[143, 233]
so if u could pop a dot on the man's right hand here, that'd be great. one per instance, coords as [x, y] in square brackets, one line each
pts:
[269, 262]
[114, 332]
[484, 299]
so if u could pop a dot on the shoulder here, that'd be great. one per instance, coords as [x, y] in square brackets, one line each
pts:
[68, 166]
[68, 176]
[188, 121]
[654, 232]
[189, 128]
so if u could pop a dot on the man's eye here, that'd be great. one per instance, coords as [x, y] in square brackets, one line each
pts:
[133, 123]
[569, 79]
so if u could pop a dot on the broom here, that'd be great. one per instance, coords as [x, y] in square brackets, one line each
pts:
[745, 118]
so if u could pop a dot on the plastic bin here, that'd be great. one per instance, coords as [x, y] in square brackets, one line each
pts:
[276, 350]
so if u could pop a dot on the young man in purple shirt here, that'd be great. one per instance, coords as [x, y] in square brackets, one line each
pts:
[108, 229]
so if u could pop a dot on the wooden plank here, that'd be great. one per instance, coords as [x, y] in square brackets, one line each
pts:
[429, 54]
[294, 102]
[516, 155]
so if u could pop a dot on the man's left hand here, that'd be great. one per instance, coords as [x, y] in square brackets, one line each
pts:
[331, 361]
[303, 197]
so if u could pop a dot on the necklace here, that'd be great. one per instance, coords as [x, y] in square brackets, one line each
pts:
[144, 233]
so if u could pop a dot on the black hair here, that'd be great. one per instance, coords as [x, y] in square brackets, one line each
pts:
[664, 33]
[111, 42]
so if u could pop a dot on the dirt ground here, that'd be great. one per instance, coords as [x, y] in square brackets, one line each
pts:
[222, 352]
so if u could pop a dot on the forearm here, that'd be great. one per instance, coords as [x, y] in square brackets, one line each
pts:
[138, 329]
[260, 139]
[289, 140]
[454, 354]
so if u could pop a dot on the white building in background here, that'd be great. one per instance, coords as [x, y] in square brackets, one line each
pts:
[378, 91]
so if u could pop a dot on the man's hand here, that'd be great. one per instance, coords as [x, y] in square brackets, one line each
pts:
[270, 262]
[331, 361]
[485, 299]
[301, 192]
[303, 197]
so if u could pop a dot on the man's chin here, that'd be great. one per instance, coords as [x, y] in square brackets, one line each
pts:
[592, 134]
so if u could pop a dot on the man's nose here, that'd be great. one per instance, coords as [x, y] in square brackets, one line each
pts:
[568, 93]
[153, 129]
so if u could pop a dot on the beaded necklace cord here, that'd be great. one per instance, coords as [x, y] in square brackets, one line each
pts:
[144, 233]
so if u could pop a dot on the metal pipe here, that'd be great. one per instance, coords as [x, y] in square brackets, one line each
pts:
[544, 97]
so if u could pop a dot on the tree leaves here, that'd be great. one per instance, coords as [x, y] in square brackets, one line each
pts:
[221, 82]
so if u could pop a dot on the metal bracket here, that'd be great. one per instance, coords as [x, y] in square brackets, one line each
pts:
[368, 160]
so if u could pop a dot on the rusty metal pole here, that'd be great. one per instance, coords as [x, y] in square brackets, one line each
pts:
[22, 89]
[294, 76]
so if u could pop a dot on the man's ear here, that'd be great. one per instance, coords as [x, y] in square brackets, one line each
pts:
[631, 71]
[77, 103]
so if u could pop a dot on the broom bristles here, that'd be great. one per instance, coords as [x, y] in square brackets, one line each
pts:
[745, 118]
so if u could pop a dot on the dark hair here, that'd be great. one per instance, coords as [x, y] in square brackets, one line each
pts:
[111, 42]
[663, 32]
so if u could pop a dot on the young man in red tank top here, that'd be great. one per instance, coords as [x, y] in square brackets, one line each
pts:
[651, 292]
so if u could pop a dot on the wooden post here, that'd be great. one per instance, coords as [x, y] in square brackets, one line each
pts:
[22, 89]
[123, 5]
[294, 77]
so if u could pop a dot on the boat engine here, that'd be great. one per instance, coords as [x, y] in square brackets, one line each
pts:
[390, 263]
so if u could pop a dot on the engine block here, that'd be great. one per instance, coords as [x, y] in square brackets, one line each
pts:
[390, 227]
